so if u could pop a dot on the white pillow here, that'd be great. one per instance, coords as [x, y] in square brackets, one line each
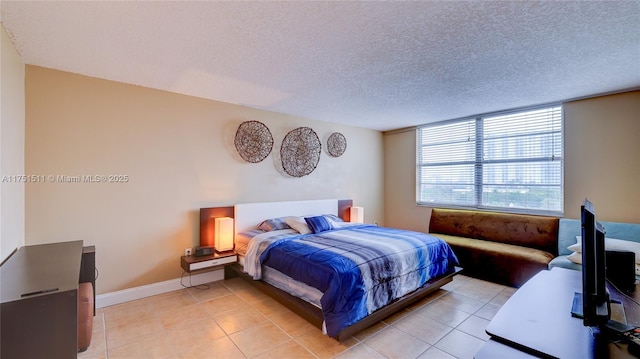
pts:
[576, 247]
[298, 223]
[576, 257]
[611, 244]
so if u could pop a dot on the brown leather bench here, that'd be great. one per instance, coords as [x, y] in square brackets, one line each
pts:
[85, 315]
[500, 247]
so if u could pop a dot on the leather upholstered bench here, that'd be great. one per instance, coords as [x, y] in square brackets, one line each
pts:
[500, 247]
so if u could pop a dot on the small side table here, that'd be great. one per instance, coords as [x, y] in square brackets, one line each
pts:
[195, 264]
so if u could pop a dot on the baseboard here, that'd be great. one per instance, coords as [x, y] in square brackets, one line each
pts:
[127, 295]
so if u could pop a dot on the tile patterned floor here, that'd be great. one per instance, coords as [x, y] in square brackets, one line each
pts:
[231, 319]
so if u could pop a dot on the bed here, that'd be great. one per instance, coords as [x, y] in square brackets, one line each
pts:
[340, 276]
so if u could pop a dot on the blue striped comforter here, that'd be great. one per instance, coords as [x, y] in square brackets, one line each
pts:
[358, 268]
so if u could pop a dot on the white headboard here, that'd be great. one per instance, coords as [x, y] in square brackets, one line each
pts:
[249, 215]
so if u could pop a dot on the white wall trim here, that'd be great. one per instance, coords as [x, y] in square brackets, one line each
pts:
[126, 295]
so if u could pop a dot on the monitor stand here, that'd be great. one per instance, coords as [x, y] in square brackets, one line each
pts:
[617, 312]
[616, 324]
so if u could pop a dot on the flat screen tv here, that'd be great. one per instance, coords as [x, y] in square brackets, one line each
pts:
[596, 307]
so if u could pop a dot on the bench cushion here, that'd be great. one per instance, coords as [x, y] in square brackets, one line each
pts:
[502, 263]
[539, 232]
[564, 262]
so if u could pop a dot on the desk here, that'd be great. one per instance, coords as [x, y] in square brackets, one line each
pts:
[537, 319]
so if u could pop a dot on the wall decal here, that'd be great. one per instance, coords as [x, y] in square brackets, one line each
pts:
[253, 141]
[300, 152]
[336, 144]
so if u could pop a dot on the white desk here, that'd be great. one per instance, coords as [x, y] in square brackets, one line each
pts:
[537, 320]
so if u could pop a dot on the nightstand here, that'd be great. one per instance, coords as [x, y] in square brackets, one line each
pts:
[193, 264]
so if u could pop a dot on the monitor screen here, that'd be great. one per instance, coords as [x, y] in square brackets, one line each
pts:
[595, 298]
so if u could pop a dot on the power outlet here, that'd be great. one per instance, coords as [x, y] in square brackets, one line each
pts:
[187, 251]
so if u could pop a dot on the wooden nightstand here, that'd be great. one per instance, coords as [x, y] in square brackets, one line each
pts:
[193, 264]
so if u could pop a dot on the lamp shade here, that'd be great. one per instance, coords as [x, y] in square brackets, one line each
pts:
[357, 215]
[224, 234]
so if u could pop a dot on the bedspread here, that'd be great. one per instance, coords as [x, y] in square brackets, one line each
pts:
[258, 244]
[360, 268]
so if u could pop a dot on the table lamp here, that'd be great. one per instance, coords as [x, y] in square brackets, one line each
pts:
[357, 215]
[223, 234]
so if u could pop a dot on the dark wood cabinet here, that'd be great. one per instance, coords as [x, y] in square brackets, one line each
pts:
[39, 310]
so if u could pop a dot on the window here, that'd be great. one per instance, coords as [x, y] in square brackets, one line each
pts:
[506, 161]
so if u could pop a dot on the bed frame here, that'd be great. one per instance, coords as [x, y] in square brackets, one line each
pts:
[248, 215]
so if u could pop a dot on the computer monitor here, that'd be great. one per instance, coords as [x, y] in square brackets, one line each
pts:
[596, 306]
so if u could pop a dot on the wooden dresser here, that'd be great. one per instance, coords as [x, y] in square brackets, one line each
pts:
[39, 310]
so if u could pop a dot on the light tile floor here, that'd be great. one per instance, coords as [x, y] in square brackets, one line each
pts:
[231, 319]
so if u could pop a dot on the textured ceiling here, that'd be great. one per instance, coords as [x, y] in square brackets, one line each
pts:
[379, 65]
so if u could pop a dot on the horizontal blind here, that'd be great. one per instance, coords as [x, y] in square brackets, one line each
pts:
[510, 161]
[522, 160]
[446, 163]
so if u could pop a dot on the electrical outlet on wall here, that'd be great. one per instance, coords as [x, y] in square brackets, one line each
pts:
[187, 251]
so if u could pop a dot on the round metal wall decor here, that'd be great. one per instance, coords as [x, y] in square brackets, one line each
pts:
[253, 141]
[300, 152]
[336, 144]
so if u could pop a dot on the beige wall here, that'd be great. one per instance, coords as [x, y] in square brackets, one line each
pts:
[401, 210]
[602, 162]
[602, 146]
[179, 156]
[11, 147]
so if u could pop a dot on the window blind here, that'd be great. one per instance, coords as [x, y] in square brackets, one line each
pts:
[506, 161]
